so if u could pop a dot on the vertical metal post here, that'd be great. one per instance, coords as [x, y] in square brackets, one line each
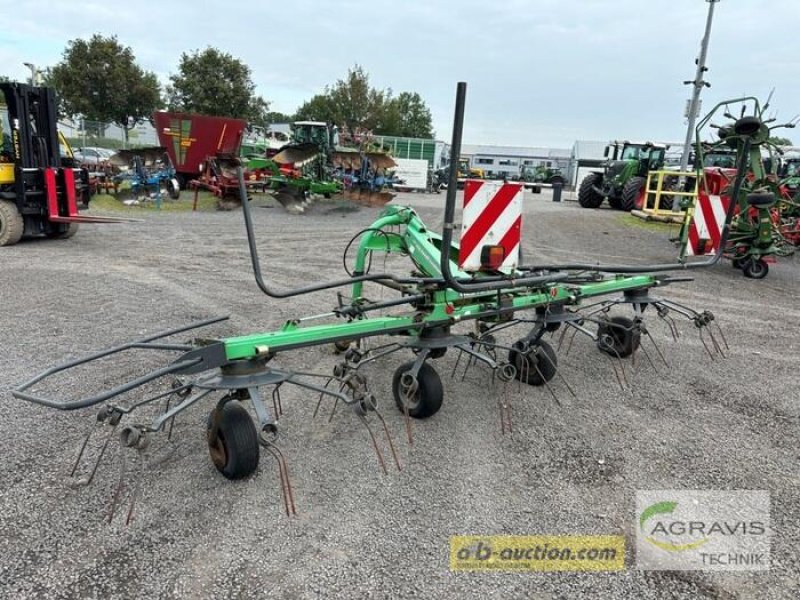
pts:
[698, 85]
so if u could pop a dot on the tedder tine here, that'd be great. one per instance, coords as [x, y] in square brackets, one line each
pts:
[374, 444]
[388, 439]
[283, 475]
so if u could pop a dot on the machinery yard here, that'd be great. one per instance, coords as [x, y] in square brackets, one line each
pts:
[571, 466]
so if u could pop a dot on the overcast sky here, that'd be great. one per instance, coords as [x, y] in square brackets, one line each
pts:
[540, 72]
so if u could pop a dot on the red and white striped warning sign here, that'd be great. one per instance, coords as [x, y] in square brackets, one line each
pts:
[705, 229]
[492, 217]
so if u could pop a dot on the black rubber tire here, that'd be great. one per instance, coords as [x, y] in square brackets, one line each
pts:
[631, 193]
[556, 180]
[755, 268]
[430, 392]
[70, 230]
[12, 225]
[233, 445]
[615, 203]
[625, 338]
[541, 360]
[587, 196]
[173, 188]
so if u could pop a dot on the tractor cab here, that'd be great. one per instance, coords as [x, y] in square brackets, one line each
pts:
[312, 132]
[623, 177]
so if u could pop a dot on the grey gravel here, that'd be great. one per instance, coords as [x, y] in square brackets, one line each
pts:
[570, 467]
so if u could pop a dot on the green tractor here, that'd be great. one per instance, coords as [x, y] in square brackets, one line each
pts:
[623, 178]
[541, 174]
[789, 175]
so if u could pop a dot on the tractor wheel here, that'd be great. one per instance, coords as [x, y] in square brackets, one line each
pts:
[615, 203]
[556, 180]
[633, 194]
[427, 400]
[587, 195]
[173, 188]
[12, 225]
[755, 268]
[618, 337]
[537, 366]
[232, 440]
[69, 230]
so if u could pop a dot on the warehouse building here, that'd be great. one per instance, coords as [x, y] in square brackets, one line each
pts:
[505, 161]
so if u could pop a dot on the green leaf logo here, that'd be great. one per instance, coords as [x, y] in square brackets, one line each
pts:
[665, 508]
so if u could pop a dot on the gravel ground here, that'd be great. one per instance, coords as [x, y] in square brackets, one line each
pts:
[569, 468]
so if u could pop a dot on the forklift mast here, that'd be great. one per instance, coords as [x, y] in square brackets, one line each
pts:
[33, 122]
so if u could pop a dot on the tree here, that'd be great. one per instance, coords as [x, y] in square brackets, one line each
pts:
[780, 141]
[99, 80]
[353, 103]
[356, 104]
[407, 116]
[319, 108]
[278, 117]
[216, 83]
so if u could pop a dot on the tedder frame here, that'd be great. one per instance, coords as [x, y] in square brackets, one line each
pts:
[430, 306]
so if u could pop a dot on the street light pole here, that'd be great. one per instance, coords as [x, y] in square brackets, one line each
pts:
[694, 104]
[34, 73]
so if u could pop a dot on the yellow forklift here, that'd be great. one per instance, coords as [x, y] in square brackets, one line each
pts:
[40, 184]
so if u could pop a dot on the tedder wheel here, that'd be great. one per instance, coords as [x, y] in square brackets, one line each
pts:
[173, 188]
[232, 440]
[70, 230]
[633, 194]
[537, 366]
[618, 337]
[587, 195]
[12, 224]
[755, 268]
[427, 400]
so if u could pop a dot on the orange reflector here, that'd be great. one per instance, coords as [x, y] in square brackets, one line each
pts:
[492, 257]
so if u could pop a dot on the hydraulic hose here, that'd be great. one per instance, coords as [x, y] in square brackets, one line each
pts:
[274, 293]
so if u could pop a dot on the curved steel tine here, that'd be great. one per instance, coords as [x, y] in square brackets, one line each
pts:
[407, 418]
[319, 402]
[558, 372]
[137, 486]
[99, 456]
[388, 439]
[717, 347]
[571, 340]
[647, 356]
[722, 335]
[277, 407]
[458, 361]
[655, 345]
[564, 330]
[705, 345]
[547, 385]
[120, 486]
[374, 444]
[285, 479]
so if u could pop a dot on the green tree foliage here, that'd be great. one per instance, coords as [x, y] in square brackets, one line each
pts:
[278, 117]
[100, 80]
[319, 108]
[780, 141]
[352, 102]
[407, 116]
[213, 82]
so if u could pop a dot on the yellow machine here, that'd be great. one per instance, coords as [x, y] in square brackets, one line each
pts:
[465, 171]
[40, 185]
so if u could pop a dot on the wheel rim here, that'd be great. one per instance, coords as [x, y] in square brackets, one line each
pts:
[216, 448]
[410, 401]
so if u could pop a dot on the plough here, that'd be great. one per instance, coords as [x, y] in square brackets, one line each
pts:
[438, 308]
